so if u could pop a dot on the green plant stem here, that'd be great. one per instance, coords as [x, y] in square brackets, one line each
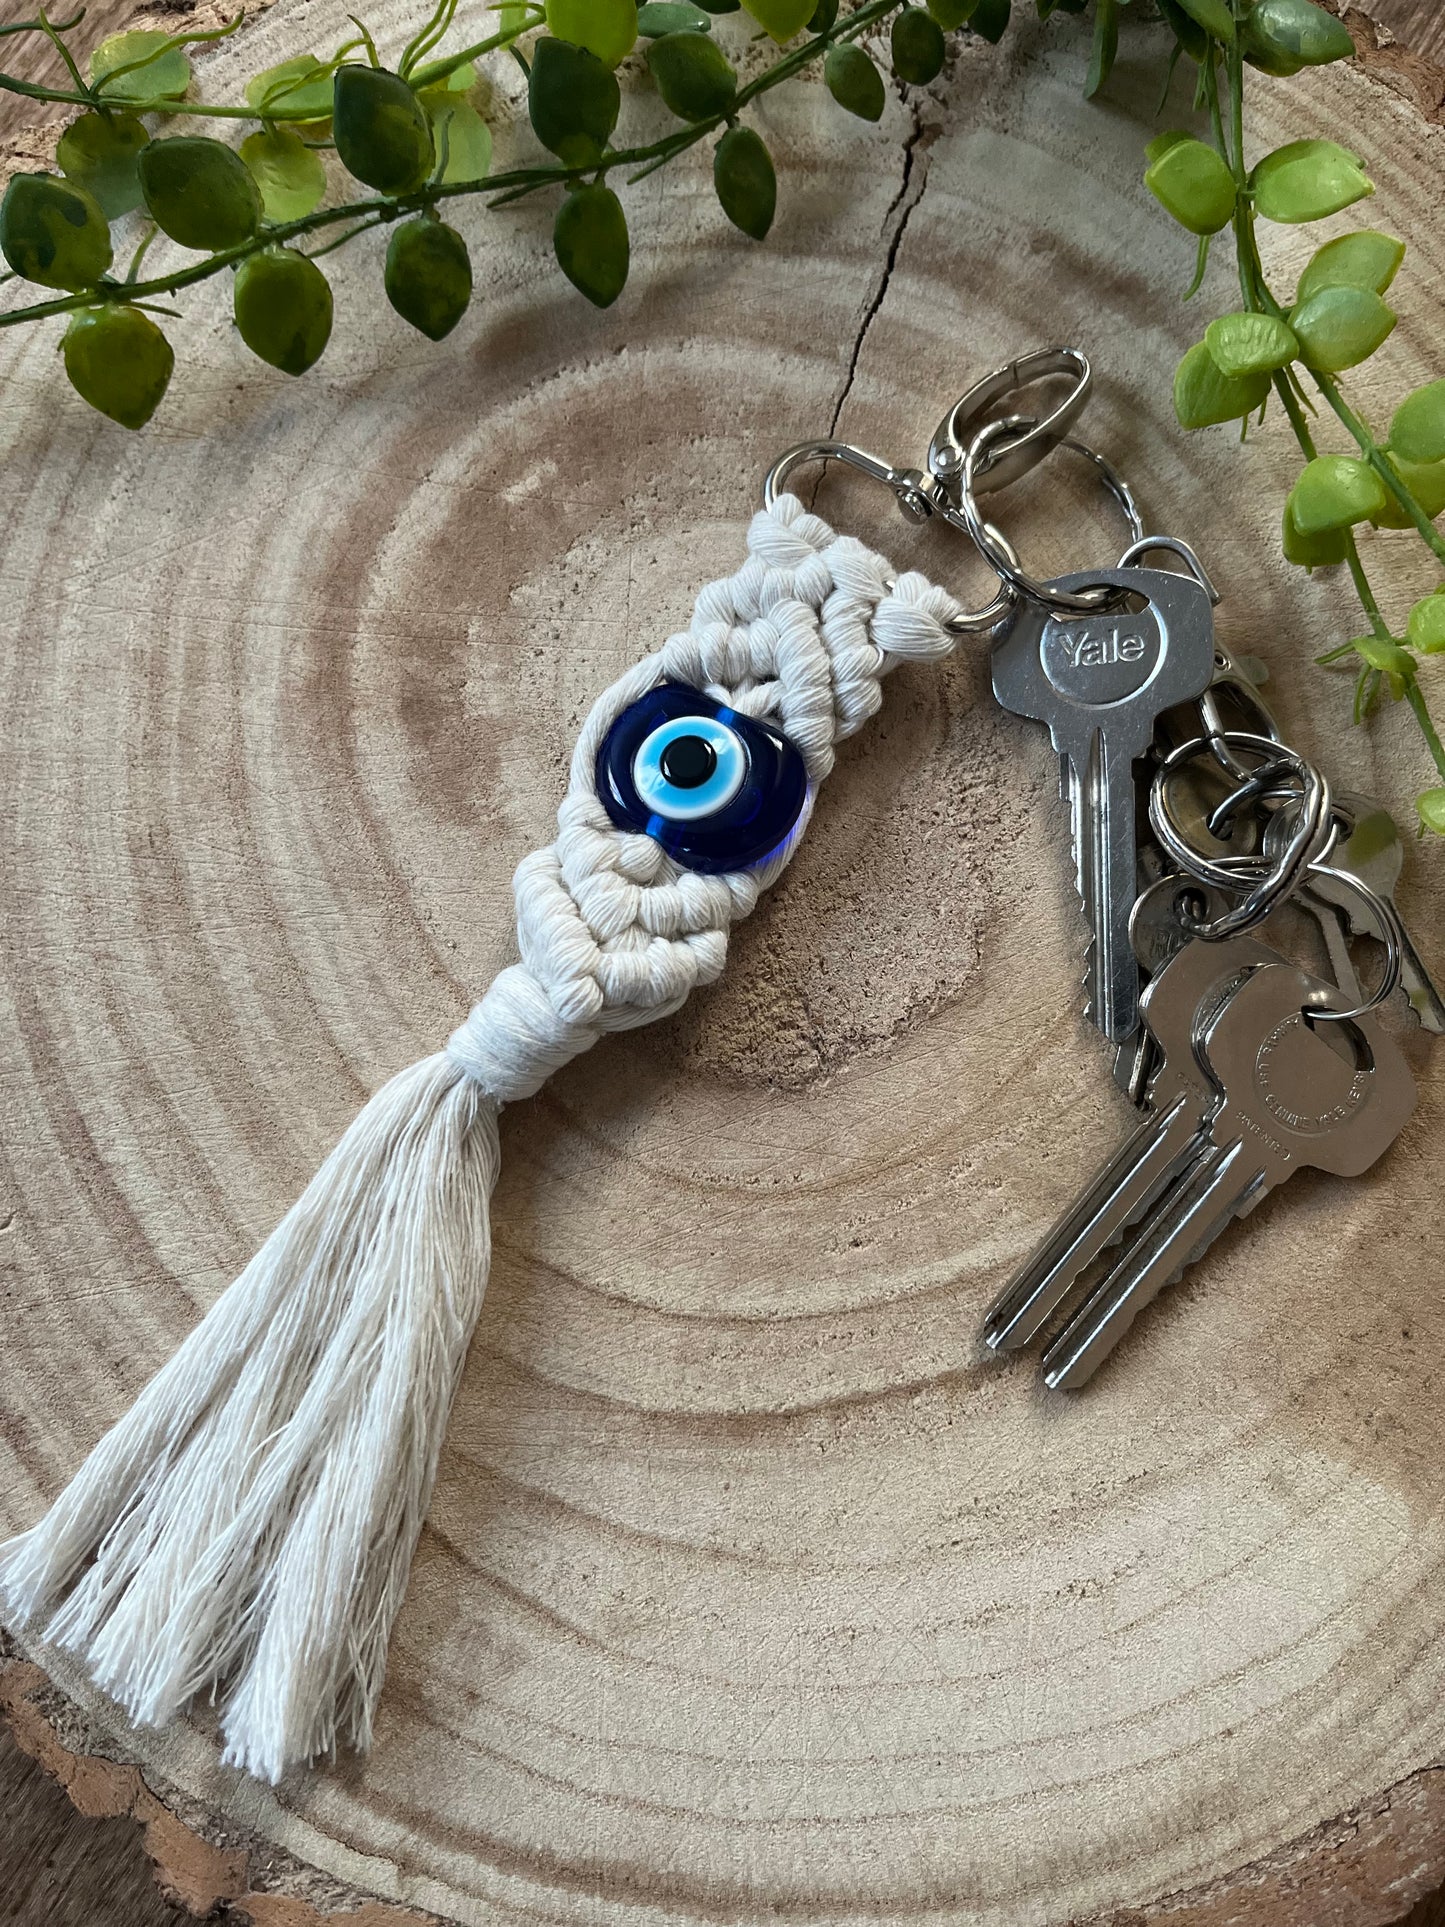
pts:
[512, 185]
[436, 70]
[1415, 696]
[1258, 298]
[1376, 457]
[217, 110]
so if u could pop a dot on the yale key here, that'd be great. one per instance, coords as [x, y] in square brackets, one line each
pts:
[1099, 682]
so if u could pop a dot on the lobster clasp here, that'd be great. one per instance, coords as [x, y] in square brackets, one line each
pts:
[1016, 454]
[917, 494]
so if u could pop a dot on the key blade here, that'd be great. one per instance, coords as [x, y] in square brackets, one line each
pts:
[1420, 988]
[1334, 928]
[1211, 1193]
[1134, 1066]
[1105, 846]
[1134, 1177]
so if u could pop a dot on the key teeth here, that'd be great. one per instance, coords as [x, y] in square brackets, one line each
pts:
[1055, 1377]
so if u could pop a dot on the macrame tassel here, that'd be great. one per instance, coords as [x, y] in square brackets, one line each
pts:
[253, 1516]
[248, 1526]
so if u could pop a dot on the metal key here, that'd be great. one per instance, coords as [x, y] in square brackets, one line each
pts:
[1291, 1100]
[1374, 853]
[1157, 935]
[1099, 682]
[1181, 1099]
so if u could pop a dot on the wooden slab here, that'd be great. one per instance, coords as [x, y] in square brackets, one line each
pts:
[749, 1589]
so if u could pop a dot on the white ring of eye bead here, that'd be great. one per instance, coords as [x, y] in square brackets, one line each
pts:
[662, 797]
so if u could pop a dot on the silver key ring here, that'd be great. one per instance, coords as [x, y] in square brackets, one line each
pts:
[999, 555]
[1392, 936]
[1265, 883]
[1388, 925]
[1177, 546]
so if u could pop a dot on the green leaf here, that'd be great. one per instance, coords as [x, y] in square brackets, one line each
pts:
[1106, 46]
[1431, 806]
[53, 232]
[1384, 655]
[301, 84]
[952, 14]
[693, 75]
[1417, 429]
[1213, 16]
[607, 28]
[916, 44]
[1191, 180]
[1311, 551]
[1340, 327]
[164, 76]
[780, 18]
[821, 19]
[1364, 259]
[590, 240]
[747, 187]
[1426, 628]
[428, 275]
[1306, 180]
[460, 133]
[658, 17]
[199, 191]
[573, 101]
[289, 174]
[282, 304]
[1204, 396]
[990, 19]
[1425, 481]
[1281, 36]
[1333, 492]
[853, 81]
[381, 129]
[99, 152]
[1187, 32]
[451, 87]
[118, 360]
[1250, 344]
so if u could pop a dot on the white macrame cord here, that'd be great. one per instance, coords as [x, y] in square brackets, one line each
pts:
[247, 1527]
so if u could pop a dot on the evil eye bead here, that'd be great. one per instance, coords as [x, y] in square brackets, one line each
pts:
[689, 769]
[719, 790]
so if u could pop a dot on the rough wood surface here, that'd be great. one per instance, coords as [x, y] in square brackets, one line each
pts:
[1416, 24]
[749, 1590]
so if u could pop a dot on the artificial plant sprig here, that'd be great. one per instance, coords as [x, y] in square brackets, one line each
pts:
[415, 135]
[1296, 349]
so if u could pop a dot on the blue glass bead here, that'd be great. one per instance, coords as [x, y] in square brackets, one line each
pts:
[718, 790]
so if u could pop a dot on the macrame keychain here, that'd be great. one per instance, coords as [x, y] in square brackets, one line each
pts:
[248, 1525]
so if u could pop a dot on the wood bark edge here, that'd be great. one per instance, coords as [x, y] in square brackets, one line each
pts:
[1378, 1859]
[203, 1876]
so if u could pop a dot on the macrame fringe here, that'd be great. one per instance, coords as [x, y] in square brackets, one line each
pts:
[253, 1516]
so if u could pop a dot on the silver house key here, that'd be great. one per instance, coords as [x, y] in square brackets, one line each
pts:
[1099, 682]
[1186, 992]
[1291, 1100]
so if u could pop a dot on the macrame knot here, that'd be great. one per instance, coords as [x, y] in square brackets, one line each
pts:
[612, 931]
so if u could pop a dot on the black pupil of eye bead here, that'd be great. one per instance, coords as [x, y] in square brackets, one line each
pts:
[688, 761]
